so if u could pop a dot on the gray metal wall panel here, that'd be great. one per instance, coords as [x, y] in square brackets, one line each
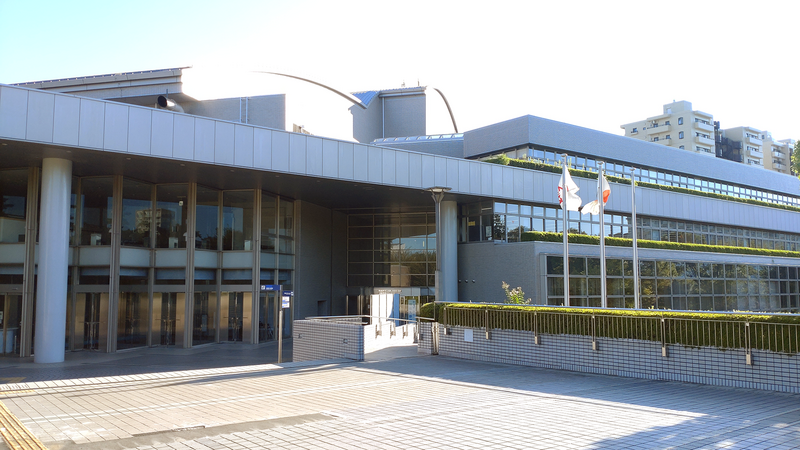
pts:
[389, 165]
[204, 130]
[346, 164]
[518, 188]
[415, 170]
[183, 137]
[486, 180]
[162, 133]
[280, 151]
[507, 175]
[262, 148]
[375, 165]
[13, 112]
[475, 178]
[139, 126]
[314, 156]
[464, 182]
[440, 171]
[115, 135]
[527, 185]
[360, 163]
[40, 116]
[330, 158]
[401, 173]
[224, 138]
[497, 181]
[297, 153]
[91, 127]
[428, 164]
[243, 146]
[452, 174]
[66, 120]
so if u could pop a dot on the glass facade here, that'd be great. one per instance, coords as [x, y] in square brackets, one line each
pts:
[649, 175]
[97, 201]
[13, 195]
[497, 221]
[677, 285]
[172, 207]
[391, 250]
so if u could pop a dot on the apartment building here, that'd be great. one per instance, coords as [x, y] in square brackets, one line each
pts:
[777, 154]
[681, 127]
[678, 126]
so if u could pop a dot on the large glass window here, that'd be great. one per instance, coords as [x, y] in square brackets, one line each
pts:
[171, 211]
[13, 192]
[205, 308]
[269, 235]
[395, 250]
[97, 200]
[286, 221]
[678, 285]
[207, 220]
[237, 220]
[137, 213]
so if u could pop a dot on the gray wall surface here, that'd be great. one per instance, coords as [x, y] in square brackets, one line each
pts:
[405, 116]
[264, 111]
[453, 148]
[314, 263]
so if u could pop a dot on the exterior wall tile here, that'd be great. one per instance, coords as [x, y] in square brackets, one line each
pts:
[40, 116]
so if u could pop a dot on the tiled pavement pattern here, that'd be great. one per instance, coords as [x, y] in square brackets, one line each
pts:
[412, 402]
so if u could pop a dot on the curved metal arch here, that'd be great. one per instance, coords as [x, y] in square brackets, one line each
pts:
[449, 110]
[346, 96]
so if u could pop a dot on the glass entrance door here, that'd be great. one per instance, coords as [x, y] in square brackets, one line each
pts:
[235, 316]
[267, 313]
[10, 321]
[91, 322]
[168, 319]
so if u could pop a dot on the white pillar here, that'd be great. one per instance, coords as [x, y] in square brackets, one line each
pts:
[51, 296]
[449, 241]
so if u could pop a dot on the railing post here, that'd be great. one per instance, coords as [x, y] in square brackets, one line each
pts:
[747, 345]
[663, 337]
[535, 329]
[486, 323]
[594, 333]
[434, 338]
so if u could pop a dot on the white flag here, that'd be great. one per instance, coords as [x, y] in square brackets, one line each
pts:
[572, 199]
[593, 207]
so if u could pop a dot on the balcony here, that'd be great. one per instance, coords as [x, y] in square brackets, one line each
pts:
[659, 129]
[755, 152]
[704, 126]
[704, 140]
[777, 154]
[752, 140]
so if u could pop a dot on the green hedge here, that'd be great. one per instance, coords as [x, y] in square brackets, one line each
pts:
[542, 167]
[696, 329]
[546, 236]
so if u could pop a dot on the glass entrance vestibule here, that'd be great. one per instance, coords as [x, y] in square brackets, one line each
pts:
[149, 264]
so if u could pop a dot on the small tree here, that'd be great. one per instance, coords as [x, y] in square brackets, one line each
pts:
[515, 296]
[796, 159]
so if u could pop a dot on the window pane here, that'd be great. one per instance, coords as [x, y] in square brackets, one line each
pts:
[207, 218]
[97, 198]
[171, 212]
[237, 220]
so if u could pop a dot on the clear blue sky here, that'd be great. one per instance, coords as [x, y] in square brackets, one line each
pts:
[593, 64]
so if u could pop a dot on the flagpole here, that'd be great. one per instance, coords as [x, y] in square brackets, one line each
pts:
[603, 291]
[565, 212]
[637, 301]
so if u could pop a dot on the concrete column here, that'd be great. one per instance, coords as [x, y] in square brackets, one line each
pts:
[51, 302]
[449, 252]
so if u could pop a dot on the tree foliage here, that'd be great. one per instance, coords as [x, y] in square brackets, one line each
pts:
[796, 159]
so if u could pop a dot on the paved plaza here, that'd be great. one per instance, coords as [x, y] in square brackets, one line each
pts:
[232, 397]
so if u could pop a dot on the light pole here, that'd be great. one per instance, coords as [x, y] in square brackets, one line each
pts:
[437, 192]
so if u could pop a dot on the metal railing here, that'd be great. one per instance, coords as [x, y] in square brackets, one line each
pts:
[366, 320]
[692, 332]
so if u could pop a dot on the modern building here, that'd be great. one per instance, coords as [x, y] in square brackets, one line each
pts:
[777, 153]
[126, 223]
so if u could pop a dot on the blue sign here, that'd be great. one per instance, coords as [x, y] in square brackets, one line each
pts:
[289, 293]
[270, 287]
